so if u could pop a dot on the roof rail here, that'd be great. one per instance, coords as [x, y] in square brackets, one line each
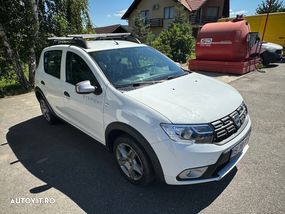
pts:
[77, 41]
[107, 36]
[95, 36]
[80, 39]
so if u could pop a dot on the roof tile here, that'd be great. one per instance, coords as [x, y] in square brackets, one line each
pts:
[109, 29]
[191, 5]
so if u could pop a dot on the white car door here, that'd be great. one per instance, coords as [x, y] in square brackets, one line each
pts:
[85, 111]
[50, 80]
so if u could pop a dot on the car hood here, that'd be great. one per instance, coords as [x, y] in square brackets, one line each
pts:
[189, 99]
[271, 47]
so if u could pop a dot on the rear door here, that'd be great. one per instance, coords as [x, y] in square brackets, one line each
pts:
[50, 80]
[84, 111]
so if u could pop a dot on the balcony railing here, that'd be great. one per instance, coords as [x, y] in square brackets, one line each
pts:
[155, 22]
[196, 20]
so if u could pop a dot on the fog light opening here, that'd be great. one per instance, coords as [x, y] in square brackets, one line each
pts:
[192, 173]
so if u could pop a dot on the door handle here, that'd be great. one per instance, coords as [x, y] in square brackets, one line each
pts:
[42, 82]
[66, 94]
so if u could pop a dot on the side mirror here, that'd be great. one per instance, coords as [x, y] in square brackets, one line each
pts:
[84, 87]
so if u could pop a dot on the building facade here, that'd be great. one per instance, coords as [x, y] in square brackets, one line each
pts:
[158, 14]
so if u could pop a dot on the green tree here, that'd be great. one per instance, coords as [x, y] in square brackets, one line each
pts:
[141, 30]
[13, 33]
[176, 42]
[71, 16]
[180, 16]
[25, 26]
[276, 6]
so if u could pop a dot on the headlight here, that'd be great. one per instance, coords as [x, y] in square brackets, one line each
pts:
[202, 133]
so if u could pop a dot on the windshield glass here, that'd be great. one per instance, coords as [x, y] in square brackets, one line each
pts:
[138, 65]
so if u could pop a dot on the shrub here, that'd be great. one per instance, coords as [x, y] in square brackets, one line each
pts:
[176, 42]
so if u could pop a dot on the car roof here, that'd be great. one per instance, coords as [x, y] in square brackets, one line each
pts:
[100, 45]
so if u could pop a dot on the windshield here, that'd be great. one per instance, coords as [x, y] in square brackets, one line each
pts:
[134, 66]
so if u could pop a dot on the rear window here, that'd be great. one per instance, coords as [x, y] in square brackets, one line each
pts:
[52, 62]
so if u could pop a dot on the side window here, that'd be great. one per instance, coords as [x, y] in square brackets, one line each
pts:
[52, 61]
[77, 70]
[169, 12]
[144, 15]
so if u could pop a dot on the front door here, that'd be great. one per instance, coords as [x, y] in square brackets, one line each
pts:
[85, 111]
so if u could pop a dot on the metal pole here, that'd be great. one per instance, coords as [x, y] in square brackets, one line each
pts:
[265, 24]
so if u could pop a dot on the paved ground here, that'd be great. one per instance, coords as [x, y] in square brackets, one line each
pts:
[63, 164]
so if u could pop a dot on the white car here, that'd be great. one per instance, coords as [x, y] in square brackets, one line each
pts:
[159, 120]
[270, 53]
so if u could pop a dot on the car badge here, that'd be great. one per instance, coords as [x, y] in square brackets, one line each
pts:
[236, 120]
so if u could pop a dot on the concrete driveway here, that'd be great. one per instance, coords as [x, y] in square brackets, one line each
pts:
[72, 173]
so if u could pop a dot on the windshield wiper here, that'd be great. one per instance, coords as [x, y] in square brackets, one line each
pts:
[176, 76]
[151, 82]
[172, 77]
[137, 84]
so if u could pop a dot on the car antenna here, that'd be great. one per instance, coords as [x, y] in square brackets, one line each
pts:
[117, 43]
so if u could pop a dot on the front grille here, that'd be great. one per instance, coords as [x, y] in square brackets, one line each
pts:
[230, 124]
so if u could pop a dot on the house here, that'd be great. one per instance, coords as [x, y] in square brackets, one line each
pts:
[112, 29]
[158, 14]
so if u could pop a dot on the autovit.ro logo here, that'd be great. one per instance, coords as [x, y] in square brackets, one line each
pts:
[32, 200]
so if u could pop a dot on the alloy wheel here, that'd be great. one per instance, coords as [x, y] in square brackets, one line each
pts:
[45, 110]
[129, 161]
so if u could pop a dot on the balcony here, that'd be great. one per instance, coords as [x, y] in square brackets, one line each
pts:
[155, 22]
[196, 20]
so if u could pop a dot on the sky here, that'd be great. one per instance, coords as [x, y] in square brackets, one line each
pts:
[109, 12]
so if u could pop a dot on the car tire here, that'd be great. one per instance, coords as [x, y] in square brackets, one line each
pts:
[132, 161]
[47, 113]
[264, 62]
[264, 59]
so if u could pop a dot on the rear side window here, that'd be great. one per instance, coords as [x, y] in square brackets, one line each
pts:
[52, 62]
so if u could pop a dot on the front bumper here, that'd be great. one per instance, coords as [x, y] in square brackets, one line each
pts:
[219, 173]
[175, 158]
[271, 57]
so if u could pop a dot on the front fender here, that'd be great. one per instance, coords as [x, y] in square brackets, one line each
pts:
[116, 128]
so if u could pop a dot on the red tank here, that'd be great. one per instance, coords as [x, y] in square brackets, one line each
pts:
[224, 47]
[223, 41]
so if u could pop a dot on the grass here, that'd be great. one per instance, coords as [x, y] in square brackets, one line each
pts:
[10, 86]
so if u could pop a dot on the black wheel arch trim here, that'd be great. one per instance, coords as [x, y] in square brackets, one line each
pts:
[125, 128]
[38, 90]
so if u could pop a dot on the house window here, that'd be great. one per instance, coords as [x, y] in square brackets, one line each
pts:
[169, 12]
[144, 14]
[212, 11]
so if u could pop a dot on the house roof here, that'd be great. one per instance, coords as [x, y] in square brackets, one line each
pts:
[190, 5]
[111, 29]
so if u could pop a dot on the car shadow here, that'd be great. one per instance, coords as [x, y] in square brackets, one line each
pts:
[272, 65]
[81, 168]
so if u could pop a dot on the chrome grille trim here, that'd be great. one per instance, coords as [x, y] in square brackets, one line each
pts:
[230, 124]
